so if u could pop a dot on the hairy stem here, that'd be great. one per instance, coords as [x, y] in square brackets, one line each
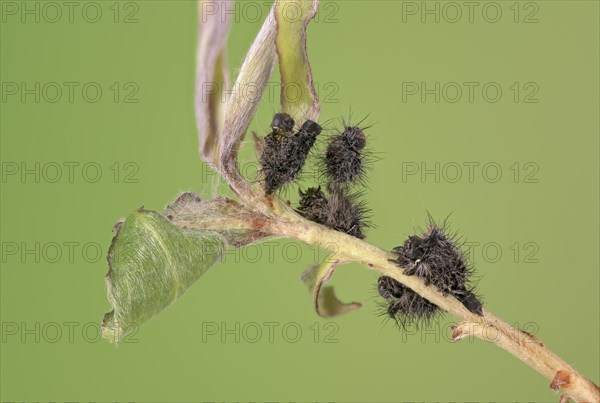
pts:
[489, 327]
[273, 217]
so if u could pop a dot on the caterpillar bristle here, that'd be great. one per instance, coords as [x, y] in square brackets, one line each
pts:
[403, 305]
[314, 205]
[347, 212]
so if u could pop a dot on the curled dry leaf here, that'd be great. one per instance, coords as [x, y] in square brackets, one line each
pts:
[280, 29]
[243, 102]
[212, 76]
[298, 95]
[325, 302]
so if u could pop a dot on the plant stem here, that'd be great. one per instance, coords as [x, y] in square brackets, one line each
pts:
[489, 327]
[271, 216]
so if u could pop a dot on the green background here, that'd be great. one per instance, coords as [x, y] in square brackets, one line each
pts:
[360, 55]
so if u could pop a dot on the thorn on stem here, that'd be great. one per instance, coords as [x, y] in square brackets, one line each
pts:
[561, 380]
[462, 330]
[457, 333]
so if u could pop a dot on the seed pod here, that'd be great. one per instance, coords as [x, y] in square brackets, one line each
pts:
[437, 259]
[284, 153]
[344, 161]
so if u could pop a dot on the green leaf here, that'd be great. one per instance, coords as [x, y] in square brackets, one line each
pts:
[325, 302]
[151, 263]
[298, 95]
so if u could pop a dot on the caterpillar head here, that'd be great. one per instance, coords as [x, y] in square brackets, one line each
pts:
[282, 123]
[311, 129]
[354, 137]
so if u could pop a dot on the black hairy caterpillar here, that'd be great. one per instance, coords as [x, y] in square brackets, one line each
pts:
[347, 213]
[285, 152]
[344, 161]
[437, 259]
[314, 205]
[341, 211]
[403, 304]
[343, 165]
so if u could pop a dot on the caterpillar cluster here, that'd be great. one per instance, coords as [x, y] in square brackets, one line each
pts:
[342, 164]
[285, 152]
[435, 257]
[342, 210]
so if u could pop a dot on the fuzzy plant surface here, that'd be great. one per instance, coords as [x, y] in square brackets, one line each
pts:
[156, 256]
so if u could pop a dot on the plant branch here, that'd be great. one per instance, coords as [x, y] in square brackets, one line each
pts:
[528, 348]
[260, 216]
[488, 327]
